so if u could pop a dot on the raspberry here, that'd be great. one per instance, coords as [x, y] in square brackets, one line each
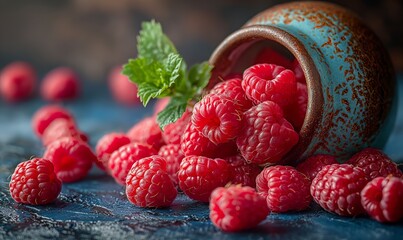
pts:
[217, 118]
[107, 145]
[17, 81]
[122, 159]
[60, 128]
[242, 172]
[60, 84]
[173, 156]
[382, 199]
[71, 157]
[265, 136]
[148, 132]
[148, 184]
[296, 111]
[269, 82]
[199, 176]
[122, 90]
[232, 89]
[34, 182]
[336, 188]
[237, 208]
[194, 143]
[375, 163]
[46, 115]
[269, 55]
[284, 188]
[299, 74]
[172, 132]
[160, 105]
[312, 165]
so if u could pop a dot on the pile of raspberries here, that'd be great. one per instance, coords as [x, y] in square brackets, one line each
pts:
[223, 151]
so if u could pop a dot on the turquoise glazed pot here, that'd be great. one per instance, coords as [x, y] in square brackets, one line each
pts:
[351, 82]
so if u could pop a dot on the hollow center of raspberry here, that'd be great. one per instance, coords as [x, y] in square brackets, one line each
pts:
[67, 162]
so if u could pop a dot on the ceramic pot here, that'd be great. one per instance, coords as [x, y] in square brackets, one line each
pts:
[349, 75]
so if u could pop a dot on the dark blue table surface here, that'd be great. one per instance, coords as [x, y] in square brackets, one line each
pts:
[97, 208]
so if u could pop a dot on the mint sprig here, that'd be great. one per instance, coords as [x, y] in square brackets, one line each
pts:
[159, 71]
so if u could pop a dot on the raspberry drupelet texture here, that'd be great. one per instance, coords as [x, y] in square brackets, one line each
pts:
[198, 176]
[148, 184]
[60, 84]
[46, 115]
[122, 90]
[17, 81]
[382, 199]
[72, 158]
[60, 128]
[107, 145]
[284, 188]
[296, 111]
[375, 163]
[299, 74]
[232, 89]
[269, 82]
[173, 132]
[122, 159]
[173, 156]
[242, 172]
[336, 188]
[194, 143]
[312, 165]
[35, 182]
[266, 136]
[217, 118]
[237, 208]
[148, 132]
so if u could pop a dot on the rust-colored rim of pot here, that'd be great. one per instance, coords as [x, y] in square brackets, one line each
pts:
[298, 50]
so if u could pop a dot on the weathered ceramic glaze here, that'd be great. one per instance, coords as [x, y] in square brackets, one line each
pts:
[350, 78]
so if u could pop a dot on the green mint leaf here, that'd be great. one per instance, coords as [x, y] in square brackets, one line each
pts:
[172, 112]
[199, 76]
[152, 43]
[147, 91]
[173, 68]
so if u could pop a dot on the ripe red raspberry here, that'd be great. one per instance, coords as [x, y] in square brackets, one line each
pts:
[375, 163]
[312, 165]
[296, 111]
[122, 159]
[199, 176]
[107, 145]
[60, 84]
[237, 208]
[299, 74]
[242, 172]
[35, 182]
[284, 188]
[173, 156]
[60, 128]
[17, 81]
[336, 188]
[173, 132]
[269, 55]
[382, 199]
[266, 136]
[71, 157]
[232, 89]
[269, 82]
[46, 115]
[160, 105]
[217, 118]
[194, 143]
[148, 184]
[122, 90]
[148, 132]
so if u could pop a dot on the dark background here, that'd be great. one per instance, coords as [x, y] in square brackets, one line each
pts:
[92, 36]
